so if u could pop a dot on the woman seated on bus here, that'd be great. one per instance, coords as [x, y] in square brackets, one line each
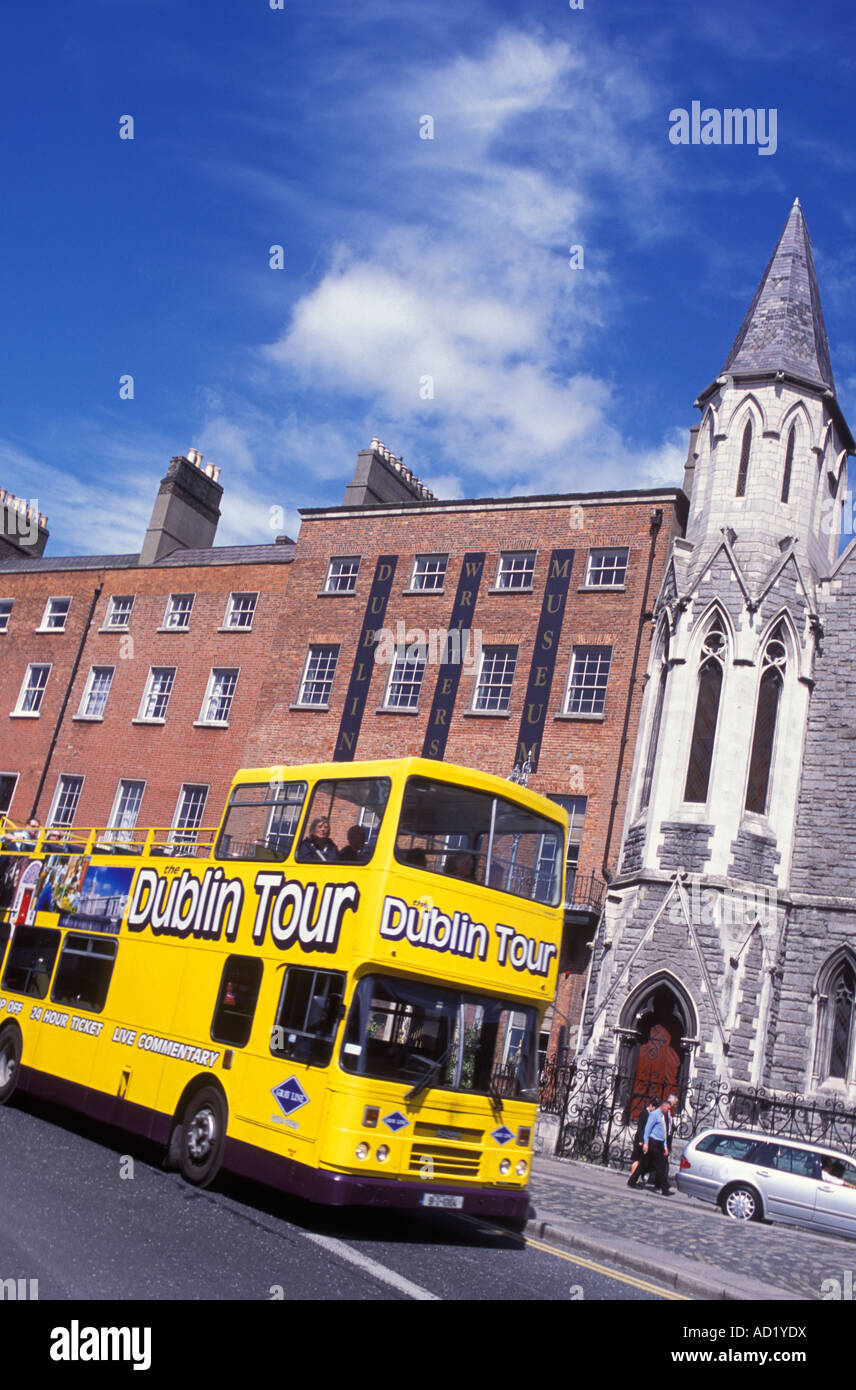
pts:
[318, 847]
[461, 864]
[355, 851]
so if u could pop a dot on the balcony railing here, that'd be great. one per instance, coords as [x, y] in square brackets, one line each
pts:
[585, 891]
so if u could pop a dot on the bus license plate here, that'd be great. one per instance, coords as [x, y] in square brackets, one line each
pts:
[440, 1199]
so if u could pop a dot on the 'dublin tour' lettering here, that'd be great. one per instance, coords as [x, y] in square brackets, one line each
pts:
[461, 936]
[185, 906]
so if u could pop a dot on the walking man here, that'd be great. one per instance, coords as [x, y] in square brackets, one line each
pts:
[656, 1149]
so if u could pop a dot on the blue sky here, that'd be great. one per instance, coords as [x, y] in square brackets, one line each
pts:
[403, 257]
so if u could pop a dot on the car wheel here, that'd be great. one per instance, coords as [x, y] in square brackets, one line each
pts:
[741, 1204]
[10, 1056]
[203, 1136]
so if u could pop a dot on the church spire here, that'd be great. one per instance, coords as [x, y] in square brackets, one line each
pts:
[784, 329]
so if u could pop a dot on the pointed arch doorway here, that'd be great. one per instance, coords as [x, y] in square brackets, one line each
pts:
[658, 1030]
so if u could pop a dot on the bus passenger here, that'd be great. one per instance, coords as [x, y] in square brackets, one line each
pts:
[461, 864]
[417, 857]
[355, 850]
[318, 846]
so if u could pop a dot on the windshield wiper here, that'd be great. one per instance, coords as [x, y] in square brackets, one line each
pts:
[430, 1075]
[495, 1093]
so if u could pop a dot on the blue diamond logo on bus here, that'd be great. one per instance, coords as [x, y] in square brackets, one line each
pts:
[396, 1120]
[290, 1095]
[503, 1134]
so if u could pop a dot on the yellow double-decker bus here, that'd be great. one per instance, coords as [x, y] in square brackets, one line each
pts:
[337, 992]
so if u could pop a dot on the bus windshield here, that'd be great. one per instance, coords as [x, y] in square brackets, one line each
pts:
[401, 1030]
[482, 838]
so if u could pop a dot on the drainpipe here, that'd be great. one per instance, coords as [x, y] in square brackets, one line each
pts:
[656, 523]
[65, 699]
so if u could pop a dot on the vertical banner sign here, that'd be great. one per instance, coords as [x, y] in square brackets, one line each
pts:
[361, 675]
[449, 675]
[544, 657]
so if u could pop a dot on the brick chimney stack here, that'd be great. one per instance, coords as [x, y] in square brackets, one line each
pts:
[186, 510]
[381, 477]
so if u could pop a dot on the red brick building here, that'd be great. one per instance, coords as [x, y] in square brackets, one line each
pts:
[499, 633]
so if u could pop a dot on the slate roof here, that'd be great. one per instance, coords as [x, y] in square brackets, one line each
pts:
[784, 329]
[214, 555]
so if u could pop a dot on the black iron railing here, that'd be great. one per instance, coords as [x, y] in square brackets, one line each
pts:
[585, 890]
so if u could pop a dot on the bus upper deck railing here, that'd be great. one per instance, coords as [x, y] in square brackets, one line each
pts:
[158, 841]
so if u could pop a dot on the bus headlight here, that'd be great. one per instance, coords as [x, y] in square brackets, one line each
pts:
[362, 1150]
[521, 1168]
[505, 1166]
[382, 1154]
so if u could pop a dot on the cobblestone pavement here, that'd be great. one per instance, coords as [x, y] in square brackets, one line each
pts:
[786, 1257]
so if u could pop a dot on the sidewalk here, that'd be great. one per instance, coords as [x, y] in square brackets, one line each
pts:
[678, 1241]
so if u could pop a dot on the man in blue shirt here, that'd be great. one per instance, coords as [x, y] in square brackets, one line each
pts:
[656, 1150]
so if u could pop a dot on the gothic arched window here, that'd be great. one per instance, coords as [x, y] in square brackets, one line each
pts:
[835, 1021]
[769, 693]
[789, 459]
[707, 709]
[744, 459]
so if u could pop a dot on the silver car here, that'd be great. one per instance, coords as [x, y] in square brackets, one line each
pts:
[756, 1177]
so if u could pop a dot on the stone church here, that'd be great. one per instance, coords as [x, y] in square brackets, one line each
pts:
[726, 955]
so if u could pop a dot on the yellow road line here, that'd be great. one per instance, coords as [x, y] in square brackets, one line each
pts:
[587, 1264]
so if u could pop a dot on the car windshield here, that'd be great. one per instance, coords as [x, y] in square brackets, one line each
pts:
[401, 1030]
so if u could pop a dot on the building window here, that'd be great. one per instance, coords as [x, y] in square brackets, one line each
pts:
[769, 693]
[95, 695]
[342, 574]
[493, 690]
[65, 800]
[576, 809]
[33, 690]
[119, 612]
[157, 692]
[607, 569]
[405, 678]
[429, 573]
[240, 612]
[178, 610]
[516, 569]
[5, 613]
[836, 993]
[318, 676]
[744, 459]
[707, 711]
[218, 697]
[8, 783]
[126, 808]
[789, 460]
[588, 680]
[55, 615]
[189, 813]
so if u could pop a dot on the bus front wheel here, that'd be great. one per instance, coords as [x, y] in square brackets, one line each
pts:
[10, 1057]
[203, 1136]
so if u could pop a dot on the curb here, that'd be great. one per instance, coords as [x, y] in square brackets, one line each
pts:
[670, 1271]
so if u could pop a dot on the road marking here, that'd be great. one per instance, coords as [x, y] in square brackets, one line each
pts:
[379, 1271]
[586, 1264]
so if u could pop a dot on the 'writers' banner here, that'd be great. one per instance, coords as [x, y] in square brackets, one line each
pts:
[361, 675]
[544, 657]
[459, 649]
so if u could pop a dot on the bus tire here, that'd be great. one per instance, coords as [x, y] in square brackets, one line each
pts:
[11, 1047]
[203, 1136]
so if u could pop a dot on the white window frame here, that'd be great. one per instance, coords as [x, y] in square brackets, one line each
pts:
[232, 611]
[142, 717]
[167, 625]
[302, 701]
[124, 830]
[506, 570]
[400, 675]
[576, 660]
[19, 712]
[187, 834]
[606, 552]
[420, 588]
[503, 687]
[47, 624]
[110, 624]
[59, 795]
[5, 613]
[332, 582]
[83, 712]
[216, 671]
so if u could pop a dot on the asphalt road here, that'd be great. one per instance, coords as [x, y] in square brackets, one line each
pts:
[90, 1215]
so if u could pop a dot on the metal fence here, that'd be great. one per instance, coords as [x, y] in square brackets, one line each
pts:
[598, 1110]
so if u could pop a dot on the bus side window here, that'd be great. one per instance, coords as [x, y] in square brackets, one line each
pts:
[30, 962]
[84, 972]
[309, 1013]
[236, 1002]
